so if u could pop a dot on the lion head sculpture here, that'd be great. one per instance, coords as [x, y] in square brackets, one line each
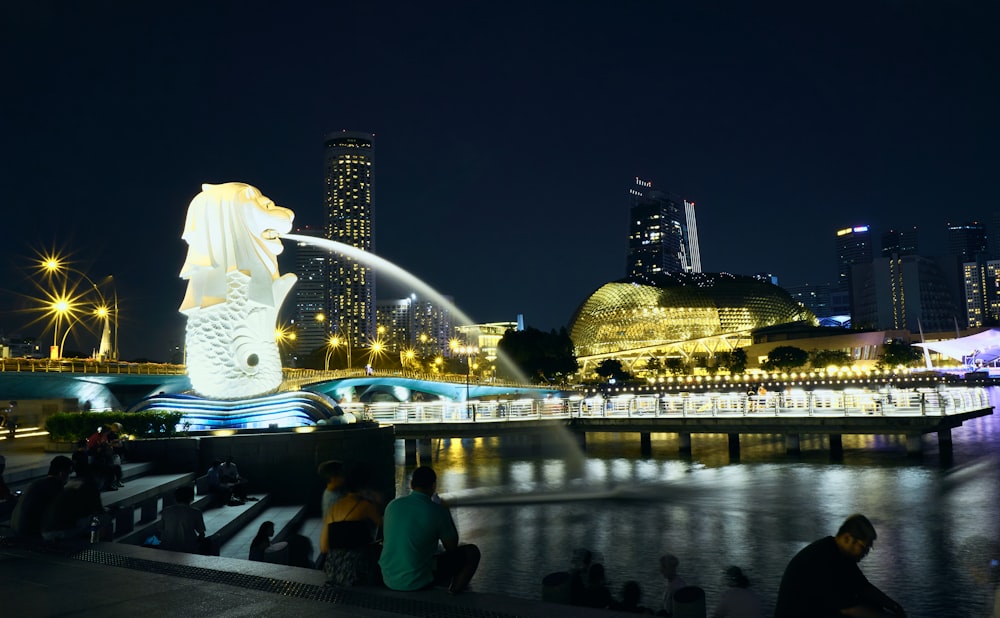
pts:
[234, 290]
[230, 227]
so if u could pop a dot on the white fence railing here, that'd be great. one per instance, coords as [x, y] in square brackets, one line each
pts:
[939, 401]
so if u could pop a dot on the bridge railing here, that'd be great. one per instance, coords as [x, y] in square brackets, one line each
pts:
[898, 402]
[80, 365]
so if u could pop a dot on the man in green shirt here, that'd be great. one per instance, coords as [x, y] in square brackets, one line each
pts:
[412, 527]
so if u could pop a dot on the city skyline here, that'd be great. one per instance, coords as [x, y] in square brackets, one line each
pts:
[506, 139]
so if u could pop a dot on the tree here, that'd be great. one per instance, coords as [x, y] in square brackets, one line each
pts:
[737, 361]
[612, 368]
[675, 365]
[896, 353]
[785, 358]
[821, 359]
[542, 357]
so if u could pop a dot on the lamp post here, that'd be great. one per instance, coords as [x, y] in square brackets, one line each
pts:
[333, 343]
[377, 346]
[60, 307]
[347, 345]
[468, 351]
[53, 266]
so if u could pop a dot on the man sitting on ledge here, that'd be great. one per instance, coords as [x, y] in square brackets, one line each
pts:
[413, 525]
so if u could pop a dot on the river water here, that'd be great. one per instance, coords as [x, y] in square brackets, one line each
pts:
[528, 505]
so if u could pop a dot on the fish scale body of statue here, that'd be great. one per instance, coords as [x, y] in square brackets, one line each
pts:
[234, 291]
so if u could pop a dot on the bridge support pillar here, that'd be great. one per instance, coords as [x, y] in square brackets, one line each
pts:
[836, 446]
[914, 444]
[424, 448]
[945, 451]
[581, 440]
[792, 444]
[409, 452]
[684, 443]
[734, 447]
[645, 444]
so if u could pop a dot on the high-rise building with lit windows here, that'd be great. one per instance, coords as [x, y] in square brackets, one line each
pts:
[967, 240]
[663, 232]
[347, 171]
[433, 328]
[311, 327]
[854, 246]
[900, 242]
[982, 292]
[394, 323]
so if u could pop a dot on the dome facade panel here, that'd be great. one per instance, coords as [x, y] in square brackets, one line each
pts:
[630, 314]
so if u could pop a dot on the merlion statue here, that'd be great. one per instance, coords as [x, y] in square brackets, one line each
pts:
[234, 290]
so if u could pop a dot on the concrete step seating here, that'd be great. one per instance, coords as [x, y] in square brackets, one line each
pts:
[136, 509]
[287, 520]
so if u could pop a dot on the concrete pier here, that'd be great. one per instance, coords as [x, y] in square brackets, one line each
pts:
[836, 446]
[792, 444]
[734, 447]
[684, 443]
[645, 444]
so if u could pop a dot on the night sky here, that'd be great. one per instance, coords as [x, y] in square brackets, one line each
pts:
[506, 135]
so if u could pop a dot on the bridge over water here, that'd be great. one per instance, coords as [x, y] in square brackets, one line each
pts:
[423, 407]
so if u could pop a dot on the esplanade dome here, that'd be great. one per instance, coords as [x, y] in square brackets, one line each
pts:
[642, 315]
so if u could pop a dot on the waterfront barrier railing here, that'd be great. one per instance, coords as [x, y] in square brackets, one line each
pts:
[80, 365]
[940, 401]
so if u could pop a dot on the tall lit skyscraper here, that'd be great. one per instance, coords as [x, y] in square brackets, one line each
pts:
[311, 326]
[982, 292]
[967, 241]
[395, 323]
[347, 171]
[854, 246]
[663, 232]
[897, 292]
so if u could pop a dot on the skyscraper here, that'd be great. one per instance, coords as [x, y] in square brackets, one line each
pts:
[854, 246]
[967, 241]
[982, 292]
[311, 327]
[348, 157]
[663, 232]
[898, 292]
[900, 242]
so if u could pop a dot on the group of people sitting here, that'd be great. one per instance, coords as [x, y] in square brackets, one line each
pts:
[226, 485]
[398, 546]
[823, 579]
[100, 457]
[59, 508]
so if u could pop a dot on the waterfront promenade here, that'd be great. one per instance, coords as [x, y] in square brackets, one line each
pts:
[912, 410]
[118, 579]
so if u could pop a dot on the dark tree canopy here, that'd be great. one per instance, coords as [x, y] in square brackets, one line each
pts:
[785, 358]
[821, 359]
[895, 353]
[612, 368]
[542, 357]
[738, 361]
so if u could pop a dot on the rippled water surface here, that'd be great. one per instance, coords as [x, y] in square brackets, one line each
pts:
[527, 505]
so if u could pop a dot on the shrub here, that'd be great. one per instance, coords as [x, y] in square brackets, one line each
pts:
[67, 426]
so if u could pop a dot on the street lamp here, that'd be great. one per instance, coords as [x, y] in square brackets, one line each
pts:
[376, 349]
[333, 344]
[52, 266]
[60, 307]
[468, 351]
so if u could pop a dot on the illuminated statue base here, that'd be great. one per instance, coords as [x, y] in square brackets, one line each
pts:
[281, 410]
